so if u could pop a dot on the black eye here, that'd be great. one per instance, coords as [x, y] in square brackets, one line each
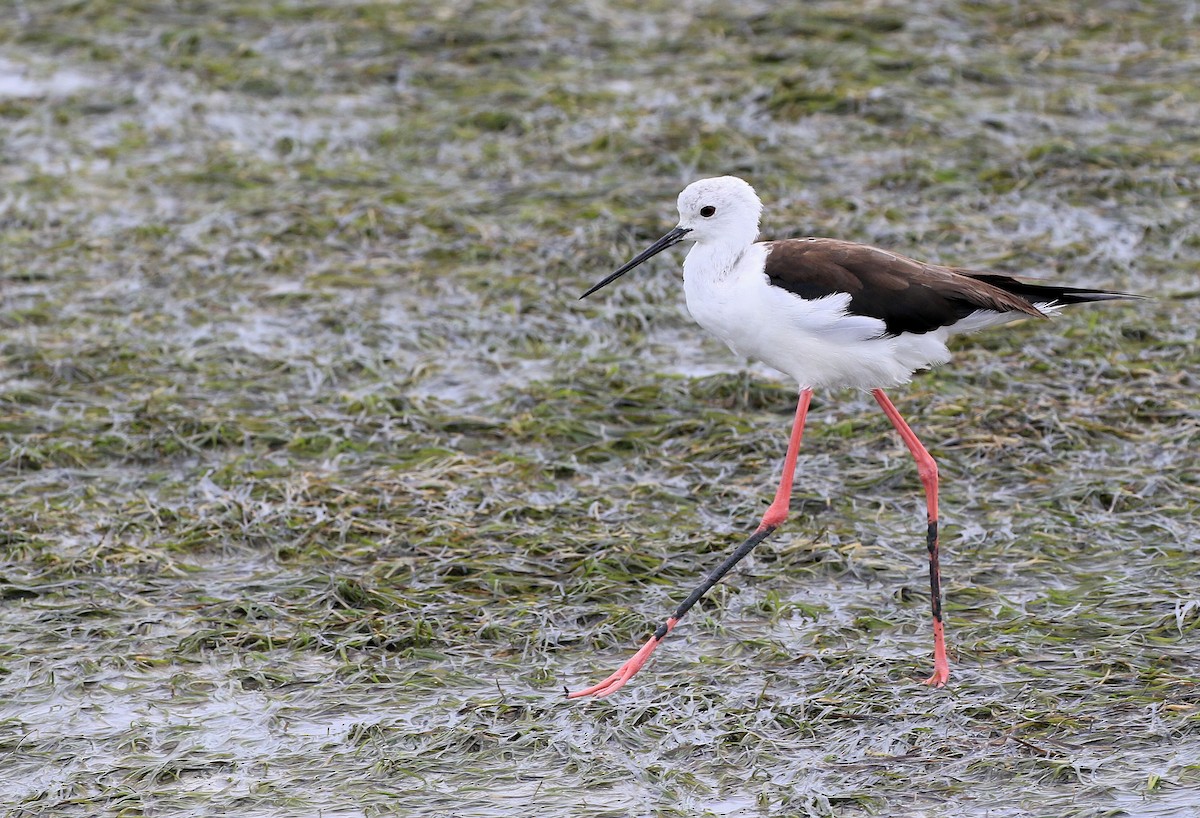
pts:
[707, 211]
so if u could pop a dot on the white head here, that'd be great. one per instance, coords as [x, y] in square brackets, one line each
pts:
[721, 210]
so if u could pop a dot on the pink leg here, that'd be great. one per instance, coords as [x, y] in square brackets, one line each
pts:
[776, 513]
[927, 469]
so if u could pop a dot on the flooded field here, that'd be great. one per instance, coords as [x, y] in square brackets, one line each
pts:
[320, 484]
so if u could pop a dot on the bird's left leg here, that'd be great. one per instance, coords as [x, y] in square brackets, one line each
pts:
[775, 514]
[927, 469]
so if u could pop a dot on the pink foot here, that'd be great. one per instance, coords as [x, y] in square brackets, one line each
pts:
[626, 671]
[941, 674]
[941, 666]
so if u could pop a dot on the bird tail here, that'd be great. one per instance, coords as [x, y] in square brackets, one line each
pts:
[1049, 295]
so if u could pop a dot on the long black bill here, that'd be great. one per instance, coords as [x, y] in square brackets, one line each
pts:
[674, 237]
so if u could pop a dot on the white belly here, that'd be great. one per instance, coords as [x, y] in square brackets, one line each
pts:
[815, 342]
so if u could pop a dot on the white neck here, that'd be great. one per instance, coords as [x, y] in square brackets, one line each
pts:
[713, 259]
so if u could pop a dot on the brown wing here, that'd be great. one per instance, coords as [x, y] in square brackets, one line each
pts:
[907, 295]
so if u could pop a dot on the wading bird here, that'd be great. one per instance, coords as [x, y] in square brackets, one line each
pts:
[829, 314]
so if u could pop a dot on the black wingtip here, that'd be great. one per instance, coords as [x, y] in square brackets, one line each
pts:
[1034, 291]
[1084, 296]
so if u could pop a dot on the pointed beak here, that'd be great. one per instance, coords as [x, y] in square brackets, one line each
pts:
[672, 238]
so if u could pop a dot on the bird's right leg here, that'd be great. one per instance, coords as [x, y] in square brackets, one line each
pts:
[927, 469]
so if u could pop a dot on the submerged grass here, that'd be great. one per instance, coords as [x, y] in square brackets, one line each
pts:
[319, 485]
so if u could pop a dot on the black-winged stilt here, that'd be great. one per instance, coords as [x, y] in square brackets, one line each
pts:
[832, 314]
